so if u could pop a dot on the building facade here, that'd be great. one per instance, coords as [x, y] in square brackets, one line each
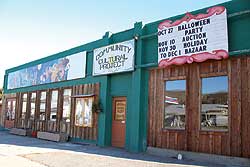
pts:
[135, 89]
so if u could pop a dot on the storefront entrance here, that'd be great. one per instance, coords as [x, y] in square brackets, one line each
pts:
[119, 121]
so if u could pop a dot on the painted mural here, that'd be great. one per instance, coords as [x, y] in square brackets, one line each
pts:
[67, 68]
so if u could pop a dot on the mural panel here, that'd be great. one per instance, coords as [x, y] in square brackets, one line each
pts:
[67, 68]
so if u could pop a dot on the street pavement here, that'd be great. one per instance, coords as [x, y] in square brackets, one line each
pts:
[19, 151]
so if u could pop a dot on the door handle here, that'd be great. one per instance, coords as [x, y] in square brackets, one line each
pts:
[123, 122]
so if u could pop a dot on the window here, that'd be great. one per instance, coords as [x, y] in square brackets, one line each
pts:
[66, 104]
[9, 111]
[42, 106]
[53, 105]
[175, 100]
[214, 108]
[83, 112]
[32, 105]
[24, 105]
[11, 107]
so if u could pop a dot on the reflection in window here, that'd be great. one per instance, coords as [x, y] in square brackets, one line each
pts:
[24, 105]
[9, 111]
[32, 105]
[53, 105]
[42, 106]
[214, 109]
[66, 104]
[83, 112]
[11, 107]
[175, 98]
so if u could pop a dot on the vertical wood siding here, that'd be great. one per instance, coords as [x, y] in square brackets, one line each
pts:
[235, 141]
[58, 126]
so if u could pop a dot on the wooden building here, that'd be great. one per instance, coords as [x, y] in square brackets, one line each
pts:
[135, 100]
[232, 140]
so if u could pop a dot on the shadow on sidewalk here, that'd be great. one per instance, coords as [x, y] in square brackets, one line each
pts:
[9, 139]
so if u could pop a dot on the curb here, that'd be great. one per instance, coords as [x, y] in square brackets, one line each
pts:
[3, 129]
[200, 157]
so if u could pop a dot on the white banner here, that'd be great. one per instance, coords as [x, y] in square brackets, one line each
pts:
[114, 58]
[194, 38]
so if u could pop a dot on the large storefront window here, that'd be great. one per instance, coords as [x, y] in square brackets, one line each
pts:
[32, 105]
[53, 105]
[66, 104]
[214, 108]
[24, 105]
[83, 112]
[175, 100]
[42, 106]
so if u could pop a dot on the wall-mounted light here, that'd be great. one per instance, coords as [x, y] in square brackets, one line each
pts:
[136, 37]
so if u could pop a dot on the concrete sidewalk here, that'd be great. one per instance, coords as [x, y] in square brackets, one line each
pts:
[25, 151]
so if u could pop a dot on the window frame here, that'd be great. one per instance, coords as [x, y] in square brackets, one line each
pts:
[39, 103]
[21, 113]
[30, 95]
[92, 113]
[200, 101]
[163, 113]
[11, 100]
[50, 103]
[71, 102]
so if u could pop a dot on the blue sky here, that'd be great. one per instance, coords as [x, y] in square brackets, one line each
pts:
[34, 29]
[209, 85]
[175, 85]
[214, 84]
